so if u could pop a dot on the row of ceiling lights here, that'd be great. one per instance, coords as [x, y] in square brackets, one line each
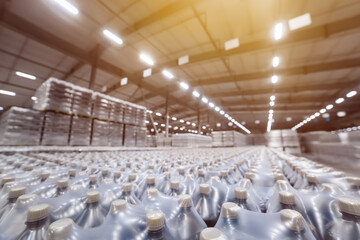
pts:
[323, 110]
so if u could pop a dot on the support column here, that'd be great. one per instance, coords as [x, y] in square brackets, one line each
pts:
[167, 116]
[198, 120]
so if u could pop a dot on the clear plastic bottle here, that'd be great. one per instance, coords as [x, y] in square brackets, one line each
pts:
[206, 205]
[212, 234]
[13, 195]
[93, 179]
[156, 228]
[93, 214]
[128, 194]
[150, 183]
[241, 199]
[174, 189]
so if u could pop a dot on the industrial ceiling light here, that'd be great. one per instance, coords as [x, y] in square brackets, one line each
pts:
[124, 81]
[322, 110]
[174, 118]
[183, 60]
[330, 106]
[158, 114]
[147, 59]
[272, 98]
[275, 61]
[226, 115]
[341, 114]
[67, 6]
[193, 124]
[204, 100]
[231, 44]
[187, 122]
[5, 92]
[351, 94]
[25, 75]
[147, 72]
[184, 85]
[203, 127]
[288, 119]
[1, 108]
[196, 94]
[299, 22]
[257, 122]
[217, 109]
[317, 114]
[211, 105]
[272, 103]
[167, 74]
[271, 111]
[339, 100]
[112, 36]
[274, 79]
[182, 120]
[278, 31]
[222, 112]
[33, 98]
[312, 117]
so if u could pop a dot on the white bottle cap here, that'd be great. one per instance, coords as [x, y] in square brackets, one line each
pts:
[16, 192]
[185, 201]
[117, 174]
[312, 178]
[245, 183]
[44, 175]
[181, 170]
[118, 205]
[152, 192]
[128, 164]
[278, 176]
[92, 196]
[60, 229]
[165, 168]
[201, 172]
[126, 187]
[37, 212]
[155, 220]
[7, 179]
[150, 180]
[286, 197]
[249, 175]
[93, 169]
[204, 188]
[132, 176]
[72, 172]
[93, 178]
[240, 193]
[105, 172]
[167, 174]
[282, 184]
[212, 234]
[83, 168]
[292, 220]
[175, 185]
[349, 206]
[229, 210]
[62, 183]
[223, 173]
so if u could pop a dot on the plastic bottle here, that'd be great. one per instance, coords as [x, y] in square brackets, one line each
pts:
[206, 206]
[93, 214]
[242, 200]
[93, 181]
[36, 223]
[174, 189]
[156, 229]
[150, 183]
[164, 185]
[13, 195]
[61, 188]
[186, 223]
[347, 224]
[128, 194]
[212, 234]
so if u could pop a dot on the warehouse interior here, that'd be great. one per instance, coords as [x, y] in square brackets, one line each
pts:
[239, 89]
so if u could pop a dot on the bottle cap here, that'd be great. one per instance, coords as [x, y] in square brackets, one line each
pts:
[150, 180]
[355, 181]
[16, 192]
[151, 166]
[165, 168]
[245, 183]
[204, 188]
[93, 169]
[223, 173]
[181, 170]
[7, 179]
[240, 193]
[118, 205]
[279, 176]
[105, 172]
[229, 210]
[92, 196]
[349, 206]
[72, 172]
[152, 192]
[128, 164]
[249, 175]
[126, 187]
[292, 220]
[167, 175]
[117, 174]
[175, 185]
[83, 168]
[286, 197]
[155, 220]
[132, 177]
[93, 178]
[212, 234]
[201, 172]
[62, 183]
[26, 198]
[44, 175]
[60, 229]
[185, 201]
[312, 178]
[37, 212]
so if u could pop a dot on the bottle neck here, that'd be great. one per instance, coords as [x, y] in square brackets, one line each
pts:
[350, 217]
[36, 224]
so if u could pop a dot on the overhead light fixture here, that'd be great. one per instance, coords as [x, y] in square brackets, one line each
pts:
[204, 100]
[217, 109]
[341, 114]
[222, 112]
[167, 74]
[196, 94]
[351, 94]
[147, 59]
[147, 72]
[299, 22]
[187, 122]
[326, 115]
[274, 79]
[67, 6]
[330, 106]
[211, 105]
[312, 116]
[339, 100]
[184, 85]
[233, 43]
[182, 120]
[149, 111]
[1, 108]
[174, 118]
[272, 98]
[183, 60]
[112, 36]
[278, 31]
[257, 122]
[33, 98]
[218, 124]
[288, 119]
[155, 123]
[226, 115]
[5, 92]
[271, 111]
[123, 81]
[203, 127]
[272, 103]
[25, 75]
[176, 128]
[323, 110]
[275, 61]
[158, 114]
[193, 124]
[163, 125]
[317, 114]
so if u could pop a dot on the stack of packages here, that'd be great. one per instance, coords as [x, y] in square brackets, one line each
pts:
[274, 139]
[82, 101]
[19, 126]
[191, 140]
[80, 131]
[217, 139]
[115, 134]
[151, 141]
[229, 139]
[56, 129]
[100, 135]
[290, 141]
